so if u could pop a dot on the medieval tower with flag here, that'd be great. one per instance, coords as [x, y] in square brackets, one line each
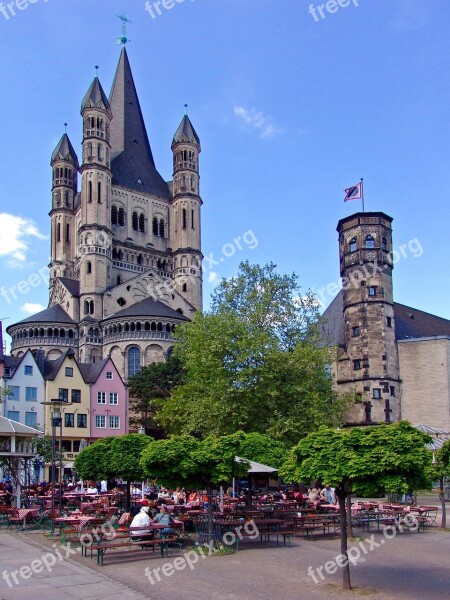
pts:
[126, 259]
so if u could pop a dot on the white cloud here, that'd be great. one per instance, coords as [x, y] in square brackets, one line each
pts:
[255, 119]
[32, 309]
[213, 277]
[15, 238]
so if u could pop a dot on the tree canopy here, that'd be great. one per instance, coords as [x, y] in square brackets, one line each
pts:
[370, 461]
[94, 462]
[254, 363]
[149, 388]
[263, 449]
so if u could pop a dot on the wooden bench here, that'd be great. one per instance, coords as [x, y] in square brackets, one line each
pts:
[310, 524]
[129, 542]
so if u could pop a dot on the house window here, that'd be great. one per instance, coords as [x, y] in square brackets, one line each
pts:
[109, 375]
[353, 245]
[100, 421]
[14, 415]
[355, 331]
[63, 394]
[31, 394]
[389, 321]
[76, 396]
[372, 290]
[69, 420]
[356, 365]
[113, 398]
[31, 419]
[82, 421]
[101, 397]
[14, 393]
[370, 242]
[69, 372]
[377, 393]
[28, 370]
[134, 361]
[114, 422]
[66, 445]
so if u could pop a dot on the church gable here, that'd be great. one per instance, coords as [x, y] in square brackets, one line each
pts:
[64, 293]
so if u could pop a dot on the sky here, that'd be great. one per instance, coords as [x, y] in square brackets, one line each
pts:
[293, 101]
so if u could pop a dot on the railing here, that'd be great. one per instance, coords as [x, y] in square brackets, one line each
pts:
[44, 341]
[138, 335]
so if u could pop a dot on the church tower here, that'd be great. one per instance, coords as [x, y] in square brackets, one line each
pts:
[64, 165]
[369, 366]
[186, 219]
[95, 236]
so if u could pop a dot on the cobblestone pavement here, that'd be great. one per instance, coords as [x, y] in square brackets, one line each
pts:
[410, 566]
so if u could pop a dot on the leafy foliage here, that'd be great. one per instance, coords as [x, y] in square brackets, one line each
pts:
[263, 449]
[253, 363]
[369, 461]
[193, 462]
[125, 455]
[94, 462]
[149, 389]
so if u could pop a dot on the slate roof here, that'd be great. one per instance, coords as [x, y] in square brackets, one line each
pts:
[65, 151]
[410, 323]
[148, 308]
[72, 285]
[53, 314]
[95, 96]
[185, 133]
[51, 367]
[132, 159]
[91, 371]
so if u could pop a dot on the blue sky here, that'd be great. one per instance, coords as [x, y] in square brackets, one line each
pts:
[291, 109]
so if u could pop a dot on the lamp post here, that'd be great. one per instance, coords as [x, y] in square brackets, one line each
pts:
[56, 421]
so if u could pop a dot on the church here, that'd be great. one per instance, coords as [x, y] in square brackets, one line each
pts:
[126, 259]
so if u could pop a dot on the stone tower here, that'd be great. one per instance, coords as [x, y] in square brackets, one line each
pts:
[64, 165]
[186, 234]
[369, 365]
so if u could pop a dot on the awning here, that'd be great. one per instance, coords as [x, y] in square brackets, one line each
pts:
[10, 428]
[255, 467]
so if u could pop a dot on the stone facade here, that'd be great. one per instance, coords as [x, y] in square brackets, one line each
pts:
[126, 260]
[425, 371]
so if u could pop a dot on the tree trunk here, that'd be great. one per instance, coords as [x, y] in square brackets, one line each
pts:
[346, 583]
[349, 517]
[444, 509]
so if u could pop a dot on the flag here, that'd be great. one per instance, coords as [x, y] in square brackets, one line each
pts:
[354, 193]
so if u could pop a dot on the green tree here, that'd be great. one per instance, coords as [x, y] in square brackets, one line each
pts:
[440, 471]
[263, 449]
[370, 461]
[254, 363]
[125, 457]
[149, 389]
[94, 461]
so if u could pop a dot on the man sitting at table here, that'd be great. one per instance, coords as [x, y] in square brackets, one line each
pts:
[142, 520]
[328, 494]
[164, 518]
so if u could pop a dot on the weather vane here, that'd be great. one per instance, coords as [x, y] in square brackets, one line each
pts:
[185, 108]
[123, 39]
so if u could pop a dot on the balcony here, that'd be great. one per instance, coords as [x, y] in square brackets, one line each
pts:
[138, 335]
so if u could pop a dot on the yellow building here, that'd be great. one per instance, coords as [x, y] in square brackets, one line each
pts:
[64, 381]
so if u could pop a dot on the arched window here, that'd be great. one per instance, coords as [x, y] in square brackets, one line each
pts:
[140, 260]
[121, 217]
[100, 152]
[120, 255]
[114, 215]
[353, 245]
[141, 222]
[161, 228]
[135, 221]
[134, 361]
[58, 232]
[192, 219]
[384, 244]
[66, 198]
[86, 307]
[370, 242]
[90, 191]
[91, 307]
[155, 226]
[88, 267]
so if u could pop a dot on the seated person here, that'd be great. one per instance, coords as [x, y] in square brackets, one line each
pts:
[313, 495]
[164, 518]
[92, 489]
[142, 520]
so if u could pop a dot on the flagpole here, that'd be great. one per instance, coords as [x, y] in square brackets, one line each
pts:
[362, 192]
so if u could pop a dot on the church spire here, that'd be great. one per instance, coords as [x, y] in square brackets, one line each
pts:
[133, 165]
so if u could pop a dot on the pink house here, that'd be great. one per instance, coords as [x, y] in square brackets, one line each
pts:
[108, 399]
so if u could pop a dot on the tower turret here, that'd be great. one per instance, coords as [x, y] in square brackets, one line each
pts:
[95, 237]
[64, 163]
[370, 363]
[186, 218]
